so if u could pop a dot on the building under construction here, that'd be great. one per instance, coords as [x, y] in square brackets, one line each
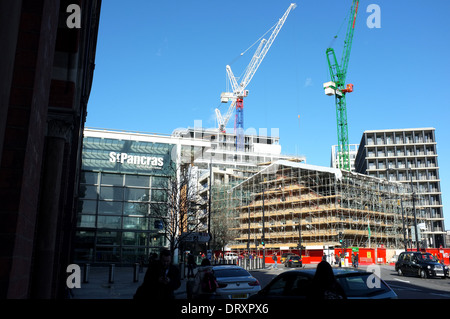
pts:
[288, 204]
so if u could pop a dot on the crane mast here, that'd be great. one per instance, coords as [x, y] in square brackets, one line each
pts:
[338, 88]
[239, 90]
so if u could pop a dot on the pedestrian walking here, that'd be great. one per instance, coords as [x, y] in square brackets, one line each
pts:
[356, 260]
[191, 266]
[161, 279]
[324, 285]
[275, 260]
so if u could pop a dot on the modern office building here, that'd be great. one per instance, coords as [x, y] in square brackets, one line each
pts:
[125, 184]
[408, 156]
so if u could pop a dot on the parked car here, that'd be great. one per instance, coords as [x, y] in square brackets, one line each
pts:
[233, 282]
[231, 256]
[415, 263]
[296, 284]
[293, 261]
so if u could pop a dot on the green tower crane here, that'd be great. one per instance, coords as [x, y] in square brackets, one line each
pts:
[338, 88]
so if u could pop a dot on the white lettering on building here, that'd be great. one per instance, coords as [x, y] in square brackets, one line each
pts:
[124, 158]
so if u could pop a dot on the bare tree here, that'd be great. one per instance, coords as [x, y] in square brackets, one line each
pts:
[174, 205]
[223, 221]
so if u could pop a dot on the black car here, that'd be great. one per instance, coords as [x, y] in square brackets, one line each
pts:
[293, 261]
[296, 284]
[415, 263]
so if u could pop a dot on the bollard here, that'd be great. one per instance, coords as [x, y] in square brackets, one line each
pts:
[136, 272]
[182, 270]
[87, 267]
[111, 273]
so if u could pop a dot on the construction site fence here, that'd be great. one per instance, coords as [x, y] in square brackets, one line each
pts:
[366, 256]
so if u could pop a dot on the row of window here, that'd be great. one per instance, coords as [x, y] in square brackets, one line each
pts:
[132, 223]
[122, 193]
[145, 181]
[400, 151]
[400, 138]
[402, 163]
[120, 208]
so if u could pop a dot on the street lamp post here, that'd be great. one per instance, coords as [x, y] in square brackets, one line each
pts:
[300, 222]
[414, 212]
[209, 201]
[248, 237]
[263, 232]
[403, 216]
[404, 229]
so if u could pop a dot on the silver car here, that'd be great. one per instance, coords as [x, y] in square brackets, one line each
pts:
[234, 282]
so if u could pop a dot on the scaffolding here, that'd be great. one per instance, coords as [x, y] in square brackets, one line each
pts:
[288, 204]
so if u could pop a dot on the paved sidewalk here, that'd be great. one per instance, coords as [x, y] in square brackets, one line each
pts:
[123, 286]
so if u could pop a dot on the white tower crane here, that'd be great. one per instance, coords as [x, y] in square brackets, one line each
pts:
[239, 90]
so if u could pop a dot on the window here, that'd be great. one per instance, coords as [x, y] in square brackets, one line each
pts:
[137, 180]
[115, 193]
[380, 140]
[110, 208]
[88, 178]
[88, 191]
[112, 179]
[87, 221]
[289, 285]
[160, 182]
[136, 209]
[87, 206]
[113, 222]
[136, 223]
[159, 195]
[356, 285]
[137, 194]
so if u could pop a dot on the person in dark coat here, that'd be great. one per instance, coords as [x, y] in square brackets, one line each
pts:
[324, 285]
[161, 279]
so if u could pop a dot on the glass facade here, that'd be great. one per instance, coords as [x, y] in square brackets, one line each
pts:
[121, 182]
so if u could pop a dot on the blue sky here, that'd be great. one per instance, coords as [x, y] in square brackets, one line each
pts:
[160, 65]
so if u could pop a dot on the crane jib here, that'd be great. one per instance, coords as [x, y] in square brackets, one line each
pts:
[354, 17]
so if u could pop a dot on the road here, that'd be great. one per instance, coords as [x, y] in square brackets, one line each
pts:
[409, 287]
[405, 287]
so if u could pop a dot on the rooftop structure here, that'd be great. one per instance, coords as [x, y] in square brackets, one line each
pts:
[352, 151]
